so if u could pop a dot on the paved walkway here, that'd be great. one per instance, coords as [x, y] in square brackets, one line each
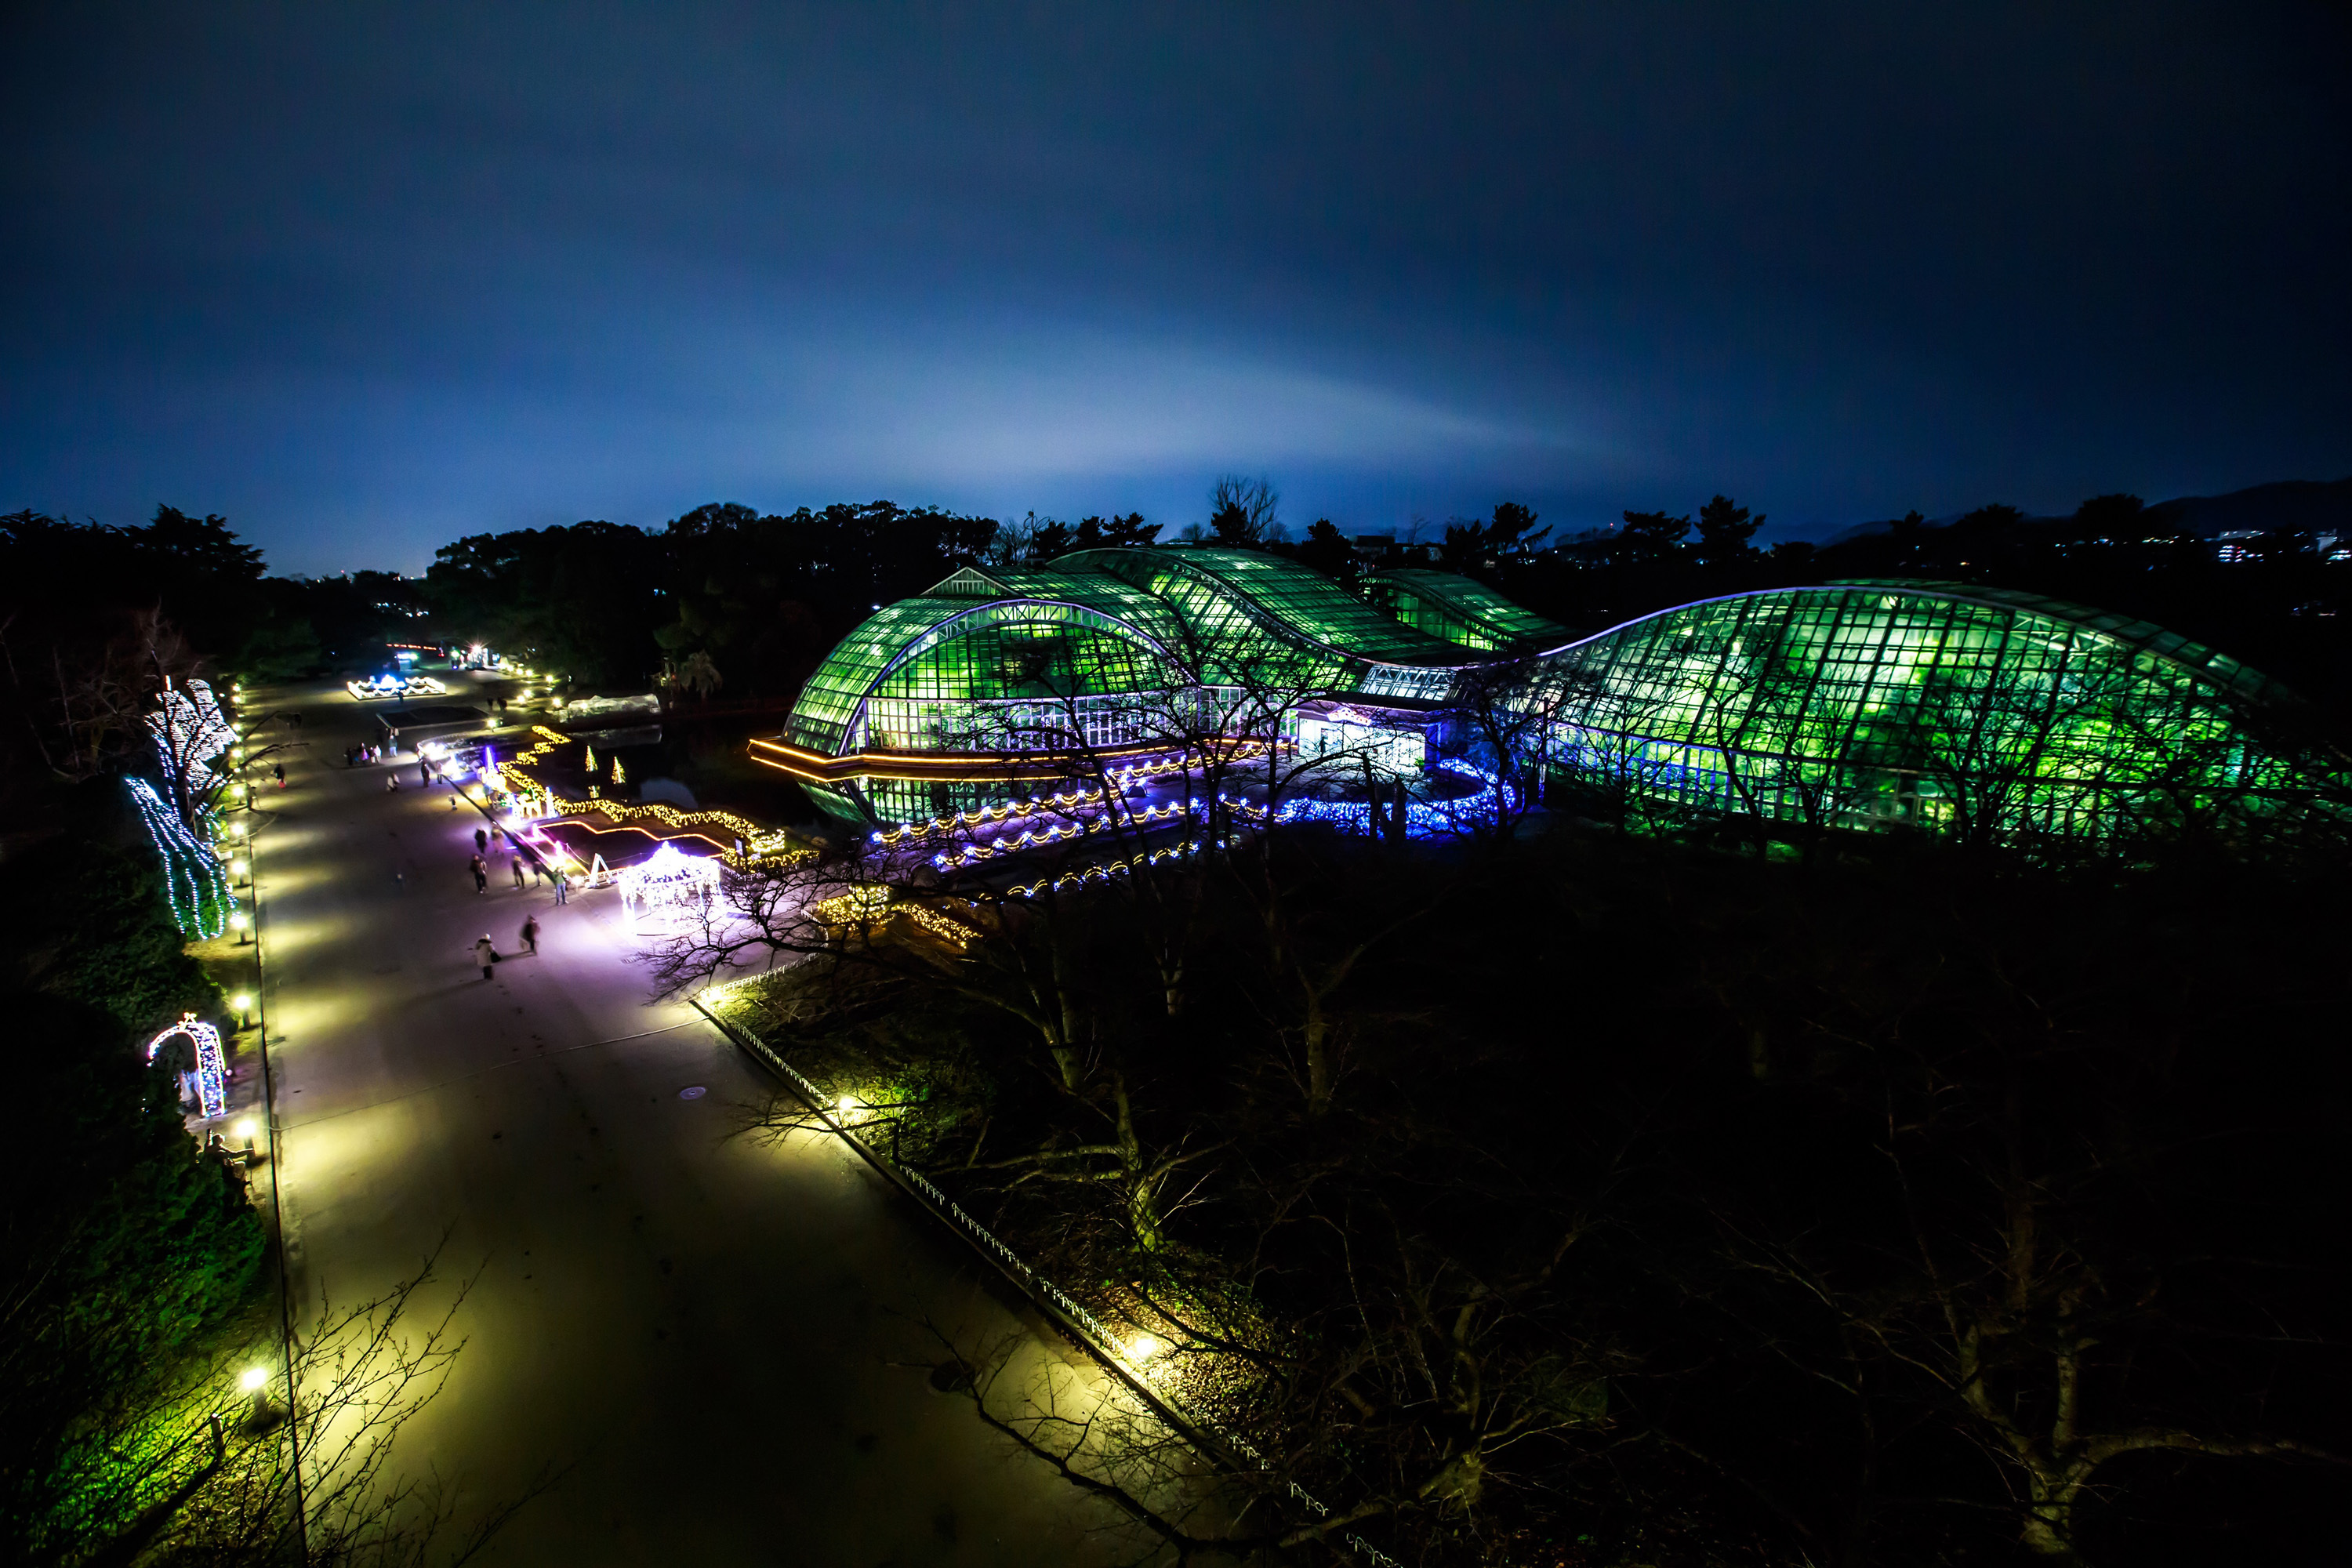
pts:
[721, 1337]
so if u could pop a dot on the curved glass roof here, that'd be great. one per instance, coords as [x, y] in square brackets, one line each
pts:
[2215, 667]
[1002, 647]
[1463, 611]
[1212, 587]
[2044, 715]
[1096, 590]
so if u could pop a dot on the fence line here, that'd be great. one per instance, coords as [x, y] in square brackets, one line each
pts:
[1088, 1332]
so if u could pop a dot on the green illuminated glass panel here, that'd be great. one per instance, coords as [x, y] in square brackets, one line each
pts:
[1464, 611]
[1904, 702]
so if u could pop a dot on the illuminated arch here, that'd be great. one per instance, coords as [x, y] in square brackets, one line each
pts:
[212, 1073]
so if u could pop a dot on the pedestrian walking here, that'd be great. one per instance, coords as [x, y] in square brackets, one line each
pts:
[424, 774]
[485, 954]
[392, 784]
[562, 887]
[481, 842]
[280, 771]
[531, 933]
[515, 864]
[481, 876]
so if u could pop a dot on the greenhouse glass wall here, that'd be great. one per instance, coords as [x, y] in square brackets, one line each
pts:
[1969, 710]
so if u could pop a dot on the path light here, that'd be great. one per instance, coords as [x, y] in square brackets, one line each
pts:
[1143, 1347]
[245, 1129]
[845, 1104]
[255, 1381]
[238, 924]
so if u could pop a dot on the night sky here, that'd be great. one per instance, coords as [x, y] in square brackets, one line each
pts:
[366, 278]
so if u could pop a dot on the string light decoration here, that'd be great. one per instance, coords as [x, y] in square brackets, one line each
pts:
[194, 883]
[1424, 819]
[1121, 779]
[396, 686]
[667, 884]
[189, 733]
[864, 903]
[760, 844]
[1102, 873]
[871, 903]
[212, 1076]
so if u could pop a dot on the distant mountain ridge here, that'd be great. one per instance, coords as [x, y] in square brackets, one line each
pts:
[2298, 506]
[2303, 506]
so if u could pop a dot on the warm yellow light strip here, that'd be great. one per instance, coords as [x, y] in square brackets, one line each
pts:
[759, 843]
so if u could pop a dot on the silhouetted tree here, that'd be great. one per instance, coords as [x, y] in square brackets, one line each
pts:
[1723, 532]
[1650, 538]
[1244, 513]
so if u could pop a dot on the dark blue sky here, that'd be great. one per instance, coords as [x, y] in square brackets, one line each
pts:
[366, 278]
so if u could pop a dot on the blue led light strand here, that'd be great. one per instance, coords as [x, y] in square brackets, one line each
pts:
[194, 883]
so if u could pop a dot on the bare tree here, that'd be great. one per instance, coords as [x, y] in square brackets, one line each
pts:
[205, 1471]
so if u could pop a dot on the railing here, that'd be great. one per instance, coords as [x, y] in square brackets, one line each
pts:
[1085, 1329]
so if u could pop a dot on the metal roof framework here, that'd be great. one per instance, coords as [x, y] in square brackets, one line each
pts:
[1235, 602]
[981, 658]
[1463, 611]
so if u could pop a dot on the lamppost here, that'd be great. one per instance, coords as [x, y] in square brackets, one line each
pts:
[262, 1415]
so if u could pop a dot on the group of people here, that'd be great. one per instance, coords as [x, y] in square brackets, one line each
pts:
[488, 844]
[487, 841]
[354, 756]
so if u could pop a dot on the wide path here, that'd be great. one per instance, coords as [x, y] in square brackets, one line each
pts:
[722, 1339]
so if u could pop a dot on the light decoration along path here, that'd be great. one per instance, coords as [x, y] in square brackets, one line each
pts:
[212, 1073]
[1423, 819]
[1173, 811]
[981, 817]
[194, 883]
[759, 843]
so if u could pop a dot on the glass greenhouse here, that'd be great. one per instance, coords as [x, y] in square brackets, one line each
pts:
[1973, 710]
[1969, 710]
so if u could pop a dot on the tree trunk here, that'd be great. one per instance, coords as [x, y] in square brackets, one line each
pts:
[1142, 1205]
[1319, 1054]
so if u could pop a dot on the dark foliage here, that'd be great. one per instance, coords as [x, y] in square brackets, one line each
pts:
[82, 917]
[1673, 1206]
[133, 1251]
